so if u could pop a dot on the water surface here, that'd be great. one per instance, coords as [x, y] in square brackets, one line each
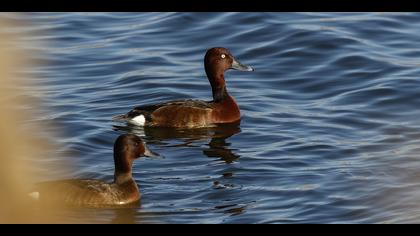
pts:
[330, 118]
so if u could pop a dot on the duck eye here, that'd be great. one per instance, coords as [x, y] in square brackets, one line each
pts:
[223, 56]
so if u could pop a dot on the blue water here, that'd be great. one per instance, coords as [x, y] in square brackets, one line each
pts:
[330, 129]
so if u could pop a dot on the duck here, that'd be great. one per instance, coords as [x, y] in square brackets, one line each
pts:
[123, 191]
[190, 113]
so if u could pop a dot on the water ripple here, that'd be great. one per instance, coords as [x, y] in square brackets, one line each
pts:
[329, 117]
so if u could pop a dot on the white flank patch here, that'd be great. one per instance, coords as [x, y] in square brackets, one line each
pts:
[34, 195]
[139, 120]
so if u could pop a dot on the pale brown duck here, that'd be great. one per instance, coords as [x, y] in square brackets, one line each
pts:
[96, 193]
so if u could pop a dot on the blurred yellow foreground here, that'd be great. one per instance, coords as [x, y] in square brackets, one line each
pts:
[17, 145]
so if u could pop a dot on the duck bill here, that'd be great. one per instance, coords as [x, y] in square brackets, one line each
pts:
[239, 66]
[150, 153]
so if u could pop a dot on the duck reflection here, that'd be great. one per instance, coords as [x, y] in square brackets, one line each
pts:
[124, 216]
[218, 147]
[231, 209]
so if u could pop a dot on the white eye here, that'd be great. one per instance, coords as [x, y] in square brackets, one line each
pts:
[223, 56]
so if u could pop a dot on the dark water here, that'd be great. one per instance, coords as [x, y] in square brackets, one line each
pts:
[330, 129]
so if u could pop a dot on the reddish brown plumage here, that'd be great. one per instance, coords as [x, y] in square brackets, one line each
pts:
[196, 113]
[225, 111]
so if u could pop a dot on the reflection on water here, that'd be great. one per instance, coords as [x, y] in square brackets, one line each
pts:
[231, 209]
[125, 216]
[218, 147]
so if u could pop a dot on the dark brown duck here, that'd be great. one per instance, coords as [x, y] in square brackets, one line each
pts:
[95, 193]
[195, 113]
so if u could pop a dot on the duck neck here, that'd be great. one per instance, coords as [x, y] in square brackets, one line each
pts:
[122, 167]
[120, 178]
[218, 85]
[220, 94]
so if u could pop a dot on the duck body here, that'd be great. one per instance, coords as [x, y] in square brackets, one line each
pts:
[96, 193]
[88, 193]
[184, 114]
[190, 113]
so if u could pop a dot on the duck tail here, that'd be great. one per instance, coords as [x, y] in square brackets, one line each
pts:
[135, 117]
[120, 117]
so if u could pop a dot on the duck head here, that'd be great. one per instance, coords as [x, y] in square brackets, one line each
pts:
[127, 148]
[216, 61]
